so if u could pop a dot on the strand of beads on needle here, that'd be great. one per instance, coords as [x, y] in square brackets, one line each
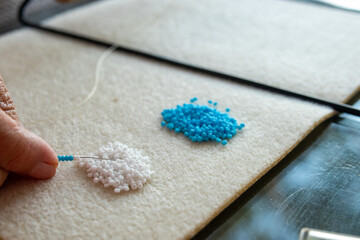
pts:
[201, 122]
[115, 165]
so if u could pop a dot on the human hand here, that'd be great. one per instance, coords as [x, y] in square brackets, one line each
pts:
[22, 151]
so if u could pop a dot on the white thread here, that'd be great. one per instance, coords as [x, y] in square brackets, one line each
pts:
[103, 57]
[111, 49]
[99, 64]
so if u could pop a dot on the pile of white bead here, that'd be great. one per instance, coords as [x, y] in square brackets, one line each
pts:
[118, 166]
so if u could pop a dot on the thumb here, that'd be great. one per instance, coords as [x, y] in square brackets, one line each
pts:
[23, 152]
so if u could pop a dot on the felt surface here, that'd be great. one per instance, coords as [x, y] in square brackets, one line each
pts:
[48, 75]
[297, 46]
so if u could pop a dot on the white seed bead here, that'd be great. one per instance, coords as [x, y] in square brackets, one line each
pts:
[122, 168]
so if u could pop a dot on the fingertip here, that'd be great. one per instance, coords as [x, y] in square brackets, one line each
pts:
[23, 152]
[49, 155]
[43, 170]
[47, 162]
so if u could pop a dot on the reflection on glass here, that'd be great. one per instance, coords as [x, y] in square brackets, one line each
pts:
[320, 189]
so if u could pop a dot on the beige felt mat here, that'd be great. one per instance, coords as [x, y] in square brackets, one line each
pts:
[48, 75]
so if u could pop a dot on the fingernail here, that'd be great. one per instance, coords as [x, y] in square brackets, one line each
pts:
[43, 170]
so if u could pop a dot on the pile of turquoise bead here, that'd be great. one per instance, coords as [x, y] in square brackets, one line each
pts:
[200, 122]
[66, 158]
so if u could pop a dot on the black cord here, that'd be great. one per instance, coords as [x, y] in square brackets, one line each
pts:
[336, 106]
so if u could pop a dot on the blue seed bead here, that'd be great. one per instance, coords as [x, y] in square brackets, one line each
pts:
[193, 99]
[71, 157]
[228, 110]
[224, 142]
[199, 122]
[215, 103]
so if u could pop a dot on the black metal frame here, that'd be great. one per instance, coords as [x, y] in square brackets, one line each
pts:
[187, 66]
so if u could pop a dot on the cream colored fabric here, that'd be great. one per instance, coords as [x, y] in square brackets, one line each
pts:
[47, 75]
[292, 45]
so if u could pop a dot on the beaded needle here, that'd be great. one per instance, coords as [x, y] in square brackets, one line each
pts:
[128, 168]
[72, 157]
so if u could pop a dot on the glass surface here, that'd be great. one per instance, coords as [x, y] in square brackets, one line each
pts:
[320, 189]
